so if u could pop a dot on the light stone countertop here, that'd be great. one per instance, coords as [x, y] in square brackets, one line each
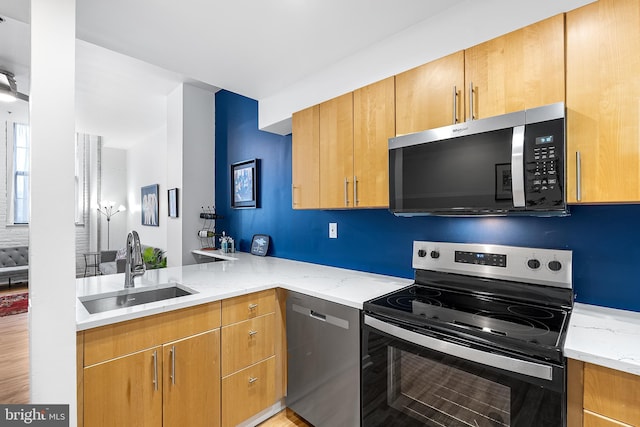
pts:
[215, 281]
[604, 336]
[599, 335]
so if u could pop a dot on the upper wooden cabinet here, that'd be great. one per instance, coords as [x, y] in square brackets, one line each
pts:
[305, 158]
[520, 70]
[603, 87]
[431, 95]
[373, 125]
[336, 152]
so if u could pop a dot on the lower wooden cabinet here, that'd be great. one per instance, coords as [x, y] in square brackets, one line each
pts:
[249, 339]
[191, 381]
[176, 384]
[161, 370]
[125, 391]
[248, 391]
[602, 397]
[209, 365]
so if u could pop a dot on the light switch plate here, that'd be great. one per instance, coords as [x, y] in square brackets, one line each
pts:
[333, 230]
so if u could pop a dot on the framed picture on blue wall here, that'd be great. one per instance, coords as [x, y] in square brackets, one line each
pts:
[149, 205]
[244, 184]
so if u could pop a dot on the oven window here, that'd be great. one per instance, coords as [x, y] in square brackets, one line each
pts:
[407, 385]
[433, 392]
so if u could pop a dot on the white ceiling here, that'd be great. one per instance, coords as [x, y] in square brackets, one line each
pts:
[255, 48]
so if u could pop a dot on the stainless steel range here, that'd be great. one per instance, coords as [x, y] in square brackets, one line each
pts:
[476, 341]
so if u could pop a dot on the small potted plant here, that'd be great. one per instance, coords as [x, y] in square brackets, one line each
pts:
[154, 258]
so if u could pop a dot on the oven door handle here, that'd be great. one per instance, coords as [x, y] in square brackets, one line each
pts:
[499, 361]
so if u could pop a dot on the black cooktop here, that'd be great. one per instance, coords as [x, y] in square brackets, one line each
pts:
[479, 314]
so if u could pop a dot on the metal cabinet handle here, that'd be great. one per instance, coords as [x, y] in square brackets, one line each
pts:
[355, 191]
[253, 306]
[346, 191]
[293, 195]
[471, 114]
[173, 364]
[252, 380]
[578, 177]
[155, 370]
[252, 333]
[455, 105]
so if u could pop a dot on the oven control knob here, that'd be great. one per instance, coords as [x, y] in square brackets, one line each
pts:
[533, 264]
[555, 265]
[435, 254]
[422, 253]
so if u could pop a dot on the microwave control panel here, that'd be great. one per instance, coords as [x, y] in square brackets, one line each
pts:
[544, 163]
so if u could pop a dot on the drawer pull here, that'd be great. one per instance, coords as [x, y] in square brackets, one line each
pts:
[252, 380]
[253, 306]
[252, 333]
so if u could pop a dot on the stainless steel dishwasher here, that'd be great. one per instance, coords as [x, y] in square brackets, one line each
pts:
[323, 343]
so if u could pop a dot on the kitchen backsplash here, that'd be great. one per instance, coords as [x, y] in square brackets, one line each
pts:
[605, 239]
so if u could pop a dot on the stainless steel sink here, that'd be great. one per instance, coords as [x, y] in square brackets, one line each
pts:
[134, 296]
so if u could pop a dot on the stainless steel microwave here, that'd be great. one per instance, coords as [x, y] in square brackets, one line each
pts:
[502, 165]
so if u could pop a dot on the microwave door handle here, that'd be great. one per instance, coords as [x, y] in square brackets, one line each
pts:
[517, 167]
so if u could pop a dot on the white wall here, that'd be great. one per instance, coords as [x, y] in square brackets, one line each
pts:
[191, 135]
[477, 21]
[113, 186]
[175, 165]
[52, 294]
[146, 165]
[198, 169]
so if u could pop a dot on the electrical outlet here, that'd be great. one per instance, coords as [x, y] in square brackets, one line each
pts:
[333, 230]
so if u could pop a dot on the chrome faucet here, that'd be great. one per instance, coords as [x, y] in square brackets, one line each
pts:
[135, 265]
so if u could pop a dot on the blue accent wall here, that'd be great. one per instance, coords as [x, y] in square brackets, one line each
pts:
[605, 239]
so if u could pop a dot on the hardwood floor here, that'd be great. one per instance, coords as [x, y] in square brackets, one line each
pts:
[286, 418]
[14, 289]
[14, 363]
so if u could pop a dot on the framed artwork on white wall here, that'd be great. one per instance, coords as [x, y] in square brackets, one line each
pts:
[149, 205]
[173, 202]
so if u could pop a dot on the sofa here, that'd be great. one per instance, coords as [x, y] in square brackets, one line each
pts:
[112, 262]
[14, 264]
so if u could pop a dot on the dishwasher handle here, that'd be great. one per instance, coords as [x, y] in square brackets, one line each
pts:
[318, 316]
[333, 320]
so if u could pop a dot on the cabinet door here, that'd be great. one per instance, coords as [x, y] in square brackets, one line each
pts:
[603, 86]
[522, 69]
[248, 392]
[192, 381]
[305, 159]
[247, 342]
[425, 95]
[336, 152]
[613, 394]
[125, 392]
[373, 124]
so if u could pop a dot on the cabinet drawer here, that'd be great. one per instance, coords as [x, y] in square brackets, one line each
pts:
[119, 339]
[612, 393]
[248, 392]
[248, 306]
[247, 342]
